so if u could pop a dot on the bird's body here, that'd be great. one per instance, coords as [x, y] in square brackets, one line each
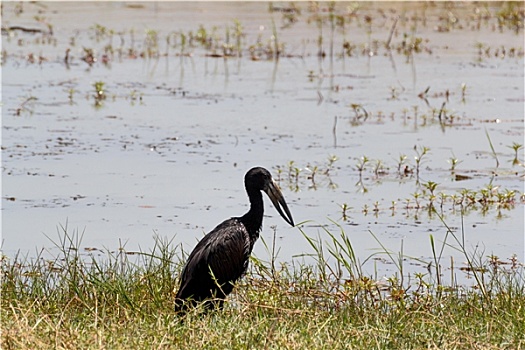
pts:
[222, 256]
[218, 260]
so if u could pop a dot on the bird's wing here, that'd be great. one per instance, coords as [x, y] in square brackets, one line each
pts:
[220, 257]
[228, 251]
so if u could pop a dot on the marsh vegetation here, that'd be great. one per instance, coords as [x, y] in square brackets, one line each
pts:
[124, 299]
[395, 131]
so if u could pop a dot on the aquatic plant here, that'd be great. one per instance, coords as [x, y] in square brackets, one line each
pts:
[516, 147]
[89, 56]
[101, 31]
[100, 93]
[494, 154]
[344, 209]
[420, 154]
[431, 187]
[511, 15]
[290, 13]
[394, 93]
[401, 161]
[70, 93]
[151, 43]
[361, 164]
[25, 106]
[313, 171]
[360, 114]
[238, 34]
[463, 92]
[379, 168]
[453, 163]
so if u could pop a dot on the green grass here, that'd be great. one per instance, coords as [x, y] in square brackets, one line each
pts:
[85, 299]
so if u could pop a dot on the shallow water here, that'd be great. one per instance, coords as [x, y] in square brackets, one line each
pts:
[166, 151]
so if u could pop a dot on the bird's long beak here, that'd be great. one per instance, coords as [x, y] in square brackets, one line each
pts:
[277, 199]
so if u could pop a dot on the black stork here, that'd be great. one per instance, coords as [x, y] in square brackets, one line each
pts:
[222, 256]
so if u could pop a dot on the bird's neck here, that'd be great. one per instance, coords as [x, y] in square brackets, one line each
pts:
[253, 218]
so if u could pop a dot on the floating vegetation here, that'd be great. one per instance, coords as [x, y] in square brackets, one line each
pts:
[516, 147]
[100, 92]
[421, 152]
[427, 195]
[511, 15]
[453, 163]
[315, 174]
[460, 201]
[332, 20]
[486, 51]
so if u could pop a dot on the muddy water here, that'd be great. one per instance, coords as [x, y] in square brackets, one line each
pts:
[165, 151]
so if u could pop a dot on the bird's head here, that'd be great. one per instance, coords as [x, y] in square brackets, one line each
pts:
[260, 179]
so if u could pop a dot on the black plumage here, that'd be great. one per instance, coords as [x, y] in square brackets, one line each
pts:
[222, 256]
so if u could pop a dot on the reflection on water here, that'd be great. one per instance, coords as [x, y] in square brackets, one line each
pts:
[127, 122]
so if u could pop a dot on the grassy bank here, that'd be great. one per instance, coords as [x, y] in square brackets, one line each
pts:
[106, 300]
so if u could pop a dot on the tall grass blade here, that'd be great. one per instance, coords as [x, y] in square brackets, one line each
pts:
[492, 149]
